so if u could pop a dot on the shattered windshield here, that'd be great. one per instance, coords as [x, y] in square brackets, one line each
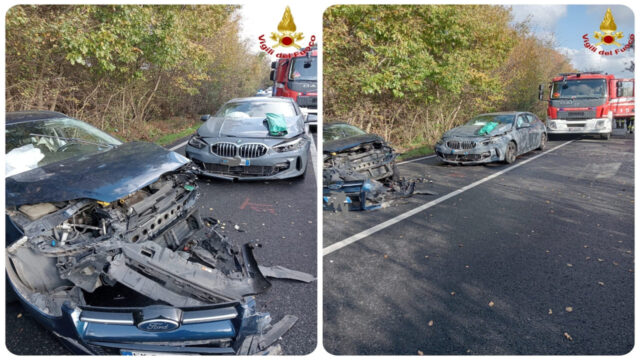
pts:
[304, 69]
[491, 122]
[33, 144]
[255, 109]
[340, 131]
[575, 89]
[482, 120]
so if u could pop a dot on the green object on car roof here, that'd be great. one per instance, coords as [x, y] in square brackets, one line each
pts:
[487, 128]
[277, 124]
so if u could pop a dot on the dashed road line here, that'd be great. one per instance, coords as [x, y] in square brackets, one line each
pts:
[361, 235]
[418, 159]
[179, 146]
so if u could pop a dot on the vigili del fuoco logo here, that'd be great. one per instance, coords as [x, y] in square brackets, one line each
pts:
[286, 37]
[608, 36]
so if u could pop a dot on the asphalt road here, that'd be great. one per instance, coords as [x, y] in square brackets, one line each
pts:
[536, 260]
[281, 215]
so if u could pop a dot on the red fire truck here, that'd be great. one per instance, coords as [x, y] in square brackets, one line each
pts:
[297, 78]
[588, 103]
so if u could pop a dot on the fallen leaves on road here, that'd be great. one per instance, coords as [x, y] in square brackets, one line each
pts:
[491, 303]
[19, 315]
[566, 335]
[453, 293]
[386, 256]
[420, 353]
[568, 309]
[600, 283]
[569, 265]
[430, 323]
[600, 260]
[615, 263]
[550, 312]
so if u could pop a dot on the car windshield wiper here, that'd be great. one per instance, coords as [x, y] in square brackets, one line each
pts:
[75, 139]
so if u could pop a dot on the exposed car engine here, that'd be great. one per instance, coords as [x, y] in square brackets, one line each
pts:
[152, 241]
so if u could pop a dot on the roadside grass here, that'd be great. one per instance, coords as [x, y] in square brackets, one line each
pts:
[170, 138]
[416, 152]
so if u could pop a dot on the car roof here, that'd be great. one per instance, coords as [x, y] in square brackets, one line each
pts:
[262, 99]
[32, 115]
[505, 113]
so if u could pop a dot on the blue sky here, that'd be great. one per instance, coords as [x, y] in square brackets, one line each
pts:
[565, 25]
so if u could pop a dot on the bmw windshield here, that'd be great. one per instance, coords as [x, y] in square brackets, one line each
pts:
[255, 109]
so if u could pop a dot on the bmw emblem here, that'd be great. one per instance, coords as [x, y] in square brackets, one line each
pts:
[239, 141]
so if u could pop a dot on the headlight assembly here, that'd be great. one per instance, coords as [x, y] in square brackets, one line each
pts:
[197, 142]
[490, 141]
[290, 145]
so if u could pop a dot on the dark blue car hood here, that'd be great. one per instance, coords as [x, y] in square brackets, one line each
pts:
[349, 142]
[104, 176]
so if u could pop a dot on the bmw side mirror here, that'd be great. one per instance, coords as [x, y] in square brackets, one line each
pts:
[205, 117]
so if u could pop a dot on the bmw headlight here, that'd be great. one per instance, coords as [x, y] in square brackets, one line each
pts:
[292, 145]
[490, 141]
[197, 142]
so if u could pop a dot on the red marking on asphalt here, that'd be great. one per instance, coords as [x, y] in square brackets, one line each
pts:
[258, 207]
[458, 175]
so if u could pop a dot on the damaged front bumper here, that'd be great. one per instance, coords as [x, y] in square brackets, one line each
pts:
[232, 328]
[479, 154]
[350, 194]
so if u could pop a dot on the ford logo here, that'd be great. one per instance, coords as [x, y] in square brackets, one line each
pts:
[158, 325]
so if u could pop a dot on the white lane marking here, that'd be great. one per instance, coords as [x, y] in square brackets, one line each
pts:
[418, 159]
[179, 146]
[314, 152]
[361, 235]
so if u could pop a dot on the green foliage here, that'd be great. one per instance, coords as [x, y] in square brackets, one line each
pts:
[120, 65]
[411, 72]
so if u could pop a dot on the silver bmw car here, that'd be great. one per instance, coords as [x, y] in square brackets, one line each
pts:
[237, 144]
[492, 137]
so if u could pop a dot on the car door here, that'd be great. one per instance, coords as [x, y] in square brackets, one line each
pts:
[521, 133]
[535, 131]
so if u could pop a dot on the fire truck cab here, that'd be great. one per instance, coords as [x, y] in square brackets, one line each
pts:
[297, 78]
[588, 103]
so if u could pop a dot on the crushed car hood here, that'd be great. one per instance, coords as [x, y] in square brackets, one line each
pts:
[104, 176]
[349, 142]
[245, 128]
[472, 130]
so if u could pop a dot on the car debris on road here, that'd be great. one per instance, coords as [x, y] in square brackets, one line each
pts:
[360, 172]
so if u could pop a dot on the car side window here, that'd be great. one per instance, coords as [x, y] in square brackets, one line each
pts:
[531, 119]
[521, 121]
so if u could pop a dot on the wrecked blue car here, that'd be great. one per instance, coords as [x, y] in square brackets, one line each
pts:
[105, 248]
[492, 137]
[239, 142]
